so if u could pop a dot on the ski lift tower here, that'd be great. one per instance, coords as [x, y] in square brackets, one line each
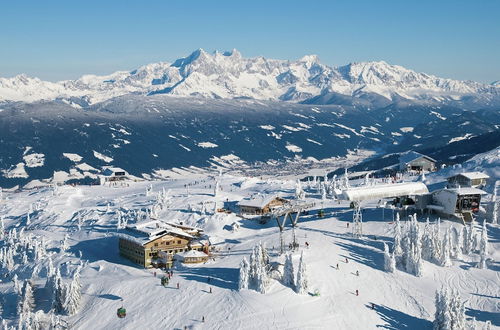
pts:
[284, 212]
[359, 194]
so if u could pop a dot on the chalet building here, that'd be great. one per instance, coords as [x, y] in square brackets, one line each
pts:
[142, 242]
[413, 161]
[468, 179]
[191, 257]
[260, 204]
[113, 175]
[459, 202]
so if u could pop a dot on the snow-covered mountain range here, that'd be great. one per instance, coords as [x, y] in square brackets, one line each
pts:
[229, 75]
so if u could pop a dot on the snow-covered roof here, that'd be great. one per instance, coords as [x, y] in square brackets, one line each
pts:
[466, 191]
[384, 191]
[411, 155]
[191, 254]
[110, 170]
[258, 201]
[185, 227]
[147, 231]
[472, 175]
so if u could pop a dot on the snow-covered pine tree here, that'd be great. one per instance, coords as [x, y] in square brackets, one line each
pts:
[302, 282]
[466, 245]
[262, 280]
[2, 228]
[427, 242]
[17, 285]
[494, 199]
[456, 243]
[60, 294]
[473, 242]
[436, 242]
[398, 250]
[265, 254]
[387, 260]
[442, 317]
[445, 260]
[417, 251]
[298, 189]
[288, 272]
[457, 311]
[65, 243]
[392, 265]
[74, 294]
[244, 274]
[216, 188]
[483, 247]
[26, 301]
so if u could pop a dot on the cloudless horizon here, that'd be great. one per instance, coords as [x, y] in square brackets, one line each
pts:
[59, 40]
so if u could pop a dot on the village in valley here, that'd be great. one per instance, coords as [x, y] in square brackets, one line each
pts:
[408, 246]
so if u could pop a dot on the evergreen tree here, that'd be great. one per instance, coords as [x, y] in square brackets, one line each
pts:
[483, 247]
[73, 294]
[302, 282]
[288, 272]
[244, 274]
[456, 243]
[427, 242]
[457, 311]
[494, 218]
[64, 243]
[26, 300]
[17, 285]
[2, 228]
[442, 317]
[398, 251]
[446, 248]
[60, 294]
[387, 260]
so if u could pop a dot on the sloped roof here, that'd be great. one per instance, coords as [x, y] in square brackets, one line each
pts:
[472, 175]
[411, 155]
[467, 191]
[148, 231]
[384, 191]
[191, 254]
[258, 201]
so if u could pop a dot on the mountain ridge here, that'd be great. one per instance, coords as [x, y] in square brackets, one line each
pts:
[230, 75]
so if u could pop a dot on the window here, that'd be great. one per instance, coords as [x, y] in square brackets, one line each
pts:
[156, 244]
[179, 242]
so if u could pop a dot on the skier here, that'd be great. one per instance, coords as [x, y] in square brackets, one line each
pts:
[210, 289]
[337, 266]
[357, 273]
[357, 292]
[307, 245]
[346, 260]
[177, 285]
[348, 225]
[373, 306]
[203, 319]
[154, 274]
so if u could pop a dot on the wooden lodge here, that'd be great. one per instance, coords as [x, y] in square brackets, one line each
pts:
[260, 204]
[468, 179]
[141, 243]
[413, 161]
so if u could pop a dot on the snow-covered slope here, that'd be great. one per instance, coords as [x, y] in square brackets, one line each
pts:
[229, 75]
[347, 273]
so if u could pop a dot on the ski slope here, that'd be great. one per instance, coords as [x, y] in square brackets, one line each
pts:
[109, 281]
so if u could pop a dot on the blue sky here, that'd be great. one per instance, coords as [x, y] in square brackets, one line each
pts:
[57, 40]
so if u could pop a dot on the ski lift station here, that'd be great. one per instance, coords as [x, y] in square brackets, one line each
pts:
[360, 194]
